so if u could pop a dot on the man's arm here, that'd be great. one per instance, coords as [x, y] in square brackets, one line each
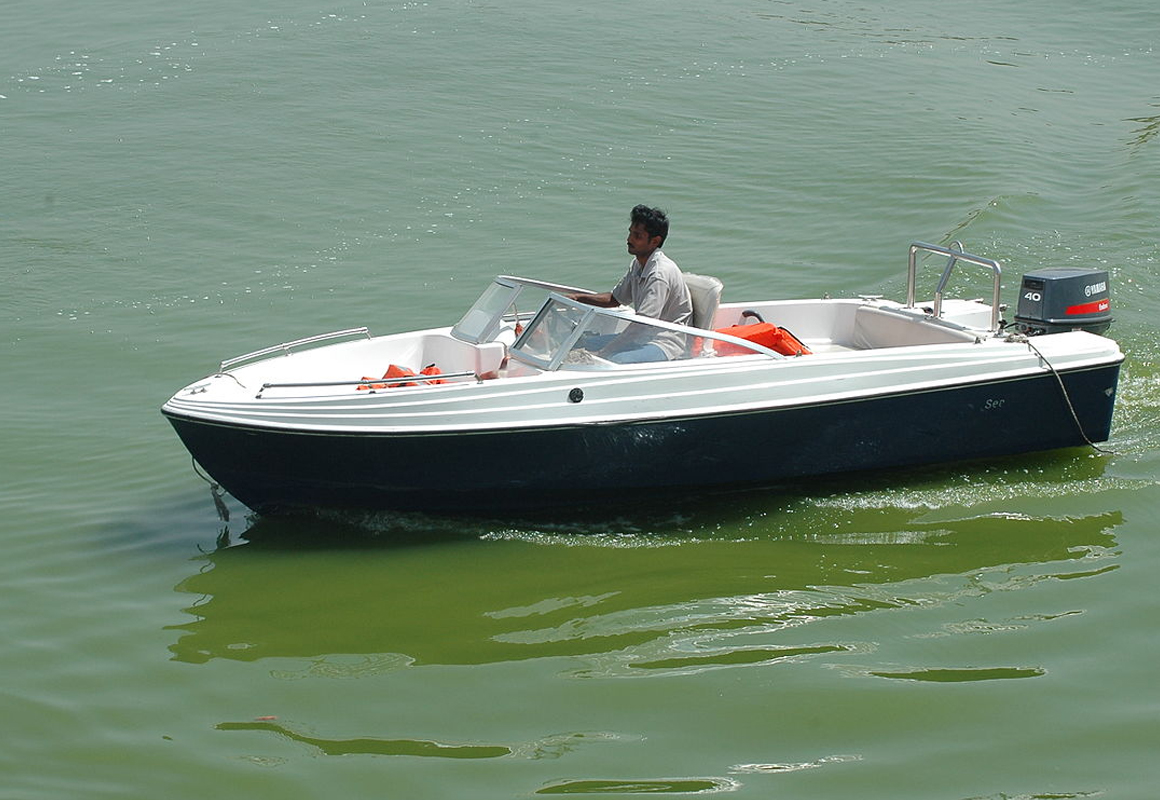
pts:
[602, 299]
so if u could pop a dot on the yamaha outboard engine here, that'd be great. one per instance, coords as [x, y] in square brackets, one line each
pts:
[1064, 299]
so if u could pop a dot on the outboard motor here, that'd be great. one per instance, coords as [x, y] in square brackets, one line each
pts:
[1064, 299]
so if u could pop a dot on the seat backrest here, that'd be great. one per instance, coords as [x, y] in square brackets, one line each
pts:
[705, 293]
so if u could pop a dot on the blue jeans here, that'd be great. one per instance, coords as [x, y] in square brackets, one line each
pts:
[639, 355]
[634, 354]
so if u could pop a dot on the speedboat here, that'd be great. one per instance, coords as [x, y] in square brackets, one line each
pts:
[523, 404]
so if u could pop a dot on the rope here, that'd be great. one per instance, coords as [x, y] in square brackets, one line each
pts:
[215, 491]
[1063, 390]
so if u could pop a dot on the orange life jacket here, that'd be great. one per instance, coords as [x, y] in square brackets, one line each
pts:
[765, 334]
[395, 371]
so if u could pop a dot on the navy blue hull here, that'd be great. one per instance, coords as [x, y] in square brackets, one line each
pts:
[278, 471]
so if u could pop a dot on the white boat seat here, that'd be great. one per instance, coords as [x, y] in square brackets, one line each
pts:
[705, 293]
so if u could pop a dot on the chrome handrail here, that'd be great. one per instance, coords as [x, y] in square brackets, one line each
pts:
[420, 378]
[286, 346]
[954, 256]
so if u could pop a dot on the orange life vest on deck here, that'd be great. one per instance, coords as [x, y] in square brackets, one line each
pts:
[765, 334]
[395, 371]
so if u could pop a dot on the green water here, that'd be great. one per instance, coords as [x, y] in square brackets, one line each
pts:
[183, 183]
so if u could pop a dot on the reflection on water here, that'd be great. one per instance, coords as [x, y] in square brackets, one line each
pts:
[664, 786]
[1149, 127]
[740, 656]
[370, 746]
[628, 602]
[963, 675]
[549, 747]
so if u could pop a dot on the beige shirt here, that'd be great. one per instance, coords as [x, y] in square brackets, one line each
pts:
[656, 290]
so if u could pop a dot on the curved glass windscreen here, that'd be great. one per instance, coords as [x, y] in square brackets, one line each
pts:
[503, 309]
[482, 320]
[568, 334]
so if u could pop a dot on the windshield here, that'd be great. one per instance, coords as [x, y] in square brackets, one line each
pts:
[480, 322]
[568, 334]
[552, 328]
[503, 308]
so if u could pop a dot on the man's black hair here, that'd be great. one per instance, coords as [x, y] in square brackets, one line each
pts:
[655, 221]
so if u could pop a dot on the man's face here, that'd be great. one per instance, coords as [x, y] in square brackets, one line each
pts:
[640, 244]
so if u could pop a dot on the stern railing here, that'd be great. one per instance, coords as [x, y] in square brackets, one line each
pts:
[954, 256]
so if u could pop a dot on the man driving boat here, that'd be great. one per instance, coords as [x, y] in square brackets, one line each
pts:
[653, 286]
